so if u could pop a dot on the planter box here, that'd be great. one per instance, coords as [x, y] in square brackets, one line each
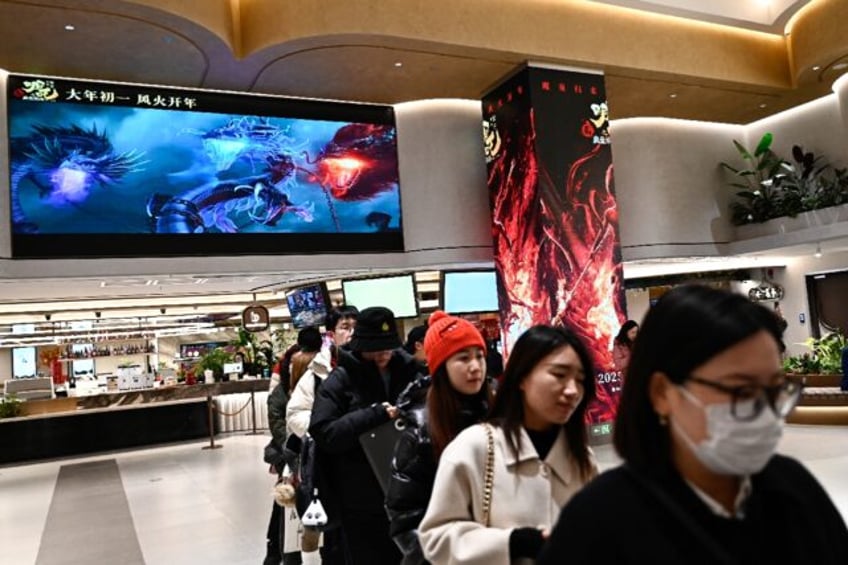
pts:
[818, 380]
[812, 219]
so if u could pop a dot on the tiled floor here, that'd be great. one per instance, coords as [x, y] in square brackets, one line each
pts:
[191, 505]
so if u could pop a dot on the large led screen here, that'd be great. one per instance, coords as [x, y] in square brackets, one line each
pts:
[397, 293]
[189, 172]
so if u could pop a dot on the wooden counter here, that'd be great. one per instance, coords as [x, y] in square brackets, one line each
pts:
[118, 420]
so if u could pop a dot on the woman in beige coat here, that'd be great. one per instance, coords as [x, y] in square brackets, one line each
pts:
[540, 458]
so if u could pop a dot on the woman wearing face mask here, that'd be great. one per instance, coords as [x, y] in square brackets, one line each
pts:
[538, 458]
[457, 398]
[700, 418]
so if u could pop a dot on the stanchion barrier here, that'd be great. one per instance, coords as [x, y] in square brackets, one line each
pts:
[209, 409]
[253, 415]
[212, 408]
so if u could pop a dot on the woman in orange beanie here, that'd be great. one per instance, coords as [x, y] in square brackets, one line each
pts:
[457, 396]
[500, 485]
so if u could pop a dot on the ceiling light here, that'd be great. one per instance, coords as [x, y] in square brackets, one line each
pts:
[763, 105]
[818, 252]
[69, 27]
[816, 67]
[398, 64]
[673, 95]
[840, 66]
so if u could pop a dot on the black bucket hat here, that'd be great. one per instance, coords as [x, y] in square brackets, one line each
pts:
[376, 330]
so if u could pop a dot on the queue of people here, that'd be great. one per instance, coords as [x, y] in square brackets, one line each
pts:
[479, 476]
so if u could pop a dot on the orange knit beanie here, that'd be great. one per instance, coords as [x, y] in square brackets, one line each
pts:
[447, 335]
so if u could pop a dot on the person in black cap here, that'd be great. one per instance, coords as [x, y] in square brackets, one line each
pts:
[359, 395]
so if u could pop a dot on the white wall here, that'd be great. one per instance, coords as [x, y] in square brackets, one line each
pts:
[816, 126]
[443, 175]
[671, 191]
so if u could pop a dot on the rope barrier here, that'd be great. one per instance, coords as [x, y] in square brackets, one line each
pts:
[236, 413]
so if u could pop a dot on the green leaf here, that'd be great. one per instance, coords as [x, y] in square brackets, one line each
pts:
[742, 150]
[764, 144]
[729, 168]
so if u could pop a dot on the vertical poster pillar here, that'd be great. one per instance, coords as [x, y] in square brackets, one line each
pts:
[555, 218]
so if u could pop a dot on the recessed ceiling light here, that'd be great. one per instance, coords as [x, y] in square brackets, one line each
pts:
[840, 66]
[816, 67]
[69, 27]
[398, 64]
[673, 95]
[763, 105]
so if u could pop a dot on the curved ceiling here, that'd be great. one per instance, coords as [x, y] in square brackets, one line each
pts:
[350, 49]
[760, 15]
[738, 71]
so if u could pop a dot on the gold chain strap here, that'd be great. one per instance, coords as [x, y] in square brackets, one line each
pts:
[490, 474]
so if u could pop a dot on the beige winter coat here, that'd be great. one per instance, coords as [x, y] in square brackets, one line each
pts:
[527, 492]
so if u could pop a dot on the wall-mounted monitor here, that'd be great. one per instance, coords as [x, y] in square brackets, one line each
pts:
[469, 292]
[123, 170]
[308, 305]
[23, 362]
[396, 293]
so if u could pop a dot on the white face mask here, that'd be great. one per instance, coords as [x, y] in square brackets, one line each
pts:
[733, 447]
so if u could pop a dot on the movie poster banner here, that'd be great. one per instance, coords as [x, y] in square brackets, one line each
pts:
[555, 219]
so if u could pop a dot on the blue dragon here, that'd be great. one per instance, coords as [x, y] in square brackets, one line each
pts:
[65, 164]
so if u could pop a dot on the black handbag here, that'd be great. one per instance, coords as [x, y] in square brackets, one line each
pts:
[379, 447]
[312, 480]
[313, 484]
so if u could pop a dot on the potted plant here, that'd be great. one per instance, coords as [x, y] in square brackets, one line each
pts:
[823, 365]
[772, 187]
[10, 406]
[214, 361]
[758, 197]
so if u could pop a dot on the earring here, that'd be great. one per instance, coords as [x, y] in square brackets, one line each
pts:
[663, 418]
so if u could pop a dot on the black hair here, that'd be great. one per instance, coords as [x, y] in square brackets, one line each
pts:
[687, 327]
[508, 412]
[622, 336]
[284, 365]
[309, 339]
[414, 336]
[444, 406]
[340, 313]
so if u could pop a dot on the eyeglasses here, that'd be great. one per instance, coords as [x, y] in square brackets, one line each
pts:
[748, 401]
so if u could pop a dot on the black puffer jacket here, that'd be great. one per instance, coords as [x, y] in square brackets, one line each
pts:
[277, 401]
[348, 404]
[414, 468]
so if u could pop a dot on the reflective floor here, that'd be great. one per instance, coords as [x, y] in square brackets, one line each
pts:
[190, 505]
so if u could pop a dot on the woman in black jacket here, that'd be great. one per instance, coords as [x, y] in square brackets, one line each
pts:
[700, 419]
[457, 396]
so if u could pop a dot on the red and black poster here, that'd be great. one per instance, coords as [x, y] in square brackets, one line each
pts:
[555, 218]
